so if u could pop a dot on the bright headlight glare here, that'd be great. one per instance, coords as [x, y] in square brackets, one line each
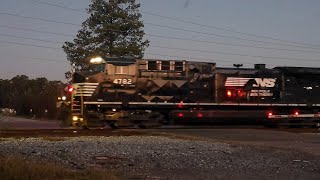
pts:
[75, 118]
[96, 60]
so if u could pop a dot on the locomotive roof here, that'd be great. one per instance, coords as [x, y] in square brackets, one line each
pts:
[298, 70]
[224, 70]
[164, 60]
[127, 60]
[120, 61]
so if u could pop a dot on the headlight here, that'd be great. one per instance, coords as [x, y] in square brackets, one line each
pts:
[75, 118]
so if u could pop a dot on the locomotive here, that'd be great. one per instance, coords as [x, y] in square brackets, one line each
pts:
[121, 91]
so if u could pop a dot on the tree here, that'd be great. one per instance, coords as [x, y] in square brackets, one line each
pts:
[113, 28]
[23, 94]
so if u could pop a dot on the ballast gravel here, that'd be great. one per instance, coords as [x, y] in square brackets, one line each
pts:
[157, 157]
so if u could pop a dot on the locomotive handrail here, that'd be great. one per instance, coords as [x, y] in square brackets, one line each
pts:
[87, 83]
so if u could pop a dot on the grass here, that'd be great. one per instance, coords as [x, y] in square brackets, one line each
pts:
[176, 136]
[16, 168]
[52, 138]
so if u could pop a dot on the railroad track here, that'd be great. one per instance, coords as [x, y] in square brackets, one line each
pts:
[68, 132]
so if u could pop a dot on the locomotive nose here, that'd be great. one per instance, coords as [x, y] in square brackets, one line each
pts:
[78, 77]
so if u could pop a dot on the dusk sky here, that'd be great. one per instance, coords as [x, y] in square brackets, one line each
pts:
[295, 23]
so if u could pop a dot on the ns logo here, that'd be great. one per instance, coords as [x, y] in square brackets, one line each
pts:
[264, 82]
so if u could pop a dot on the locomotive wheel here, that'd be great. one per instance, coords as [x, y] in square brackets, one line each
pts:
[316, 124]
[150, 120]
[112, 124]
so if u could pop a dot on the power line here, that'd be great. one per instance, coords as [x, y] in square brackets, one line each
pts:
[166, 37]
[198, 24]
[159, 47]
[227, 30]
[34, 30]
[19, 37]
[40, 19]
[163, 26]
[182, 57]
[234, 54]
[207, 59]
[231, 44]
[41, 59]
[60, 6]
[31, 45]
[183, 49]
[231, 37]
[193, 50]
[53, 21]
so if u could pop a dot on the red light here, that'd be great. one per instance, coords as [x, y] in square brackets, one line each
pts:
[296, 113]
[229, 93]
[180, 105]
[270, 114]
[70, 89]
[180, 115]
[200, 115]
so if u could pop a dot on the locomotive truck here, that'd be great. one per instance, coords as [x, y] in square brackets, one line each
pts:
[121, 91]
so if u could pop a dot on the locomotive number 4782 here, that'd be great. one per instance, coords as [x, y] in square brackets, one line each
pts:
[122, 81]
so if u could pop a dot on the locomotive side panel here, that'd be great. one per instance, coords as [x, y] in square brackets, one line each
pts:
[253, 88]
[175, 81]
[161, 81]
[302, 85]
[118, 83]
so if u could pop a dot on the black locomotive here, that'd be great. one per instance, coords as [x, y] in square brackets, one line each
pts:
[123, 91]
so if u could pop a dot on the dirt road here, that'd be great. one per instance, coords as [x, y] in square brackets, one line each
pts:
[23, 123]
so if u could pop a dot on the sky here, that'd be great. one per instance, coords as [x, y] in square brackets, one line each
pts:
[274, 32]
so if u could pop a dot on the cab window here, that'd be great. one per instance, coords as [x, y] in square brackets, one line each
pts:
[97, 68]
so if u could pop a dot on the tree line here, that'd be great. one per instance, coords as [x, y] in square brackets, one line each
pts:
[31, 97]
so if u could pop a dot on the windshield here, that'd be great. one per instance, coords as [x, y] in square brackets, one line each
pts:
[97, 67]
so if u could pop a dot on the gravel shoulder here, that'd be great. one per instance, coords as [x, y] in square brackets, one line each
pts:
[159, 157]
[303, 142]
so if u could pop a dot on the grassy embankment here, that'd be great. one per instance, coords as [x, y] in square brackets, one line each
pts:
[16, 168]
